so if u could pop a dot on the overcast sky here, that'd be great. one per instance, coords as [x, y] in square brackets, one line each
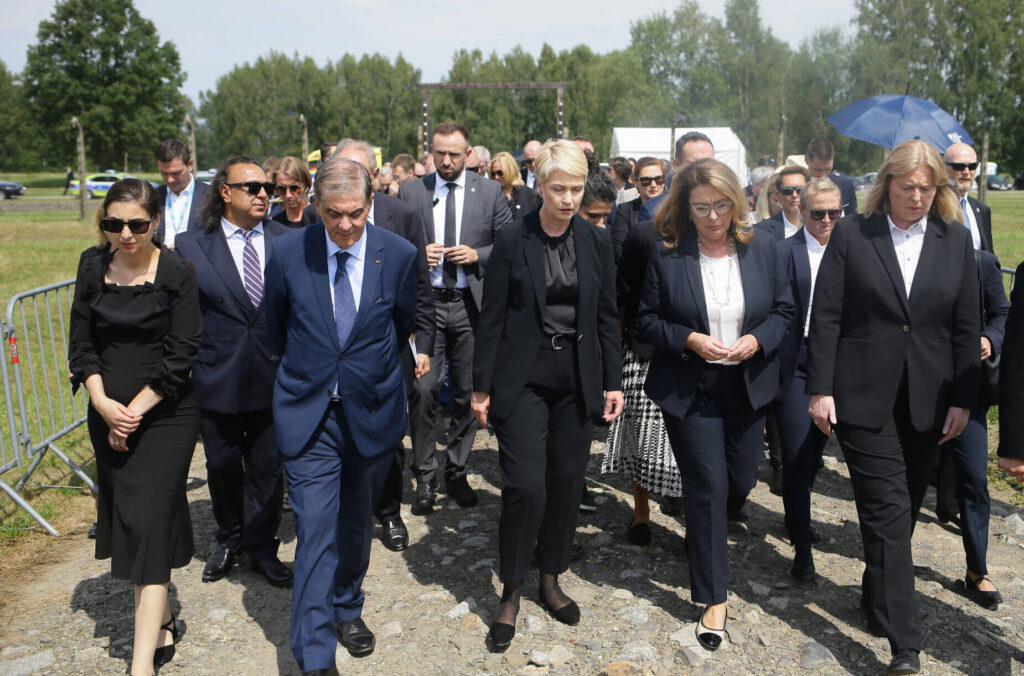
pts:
[425, 32]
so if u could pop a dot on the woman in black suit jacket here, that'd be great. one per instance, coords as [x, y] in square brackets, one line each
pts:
[893, 366]
[546, 365]
[521, 199]
[715, 306]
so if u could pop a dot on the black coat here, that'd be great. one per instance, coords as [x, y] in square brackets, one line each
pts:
[1011, 378]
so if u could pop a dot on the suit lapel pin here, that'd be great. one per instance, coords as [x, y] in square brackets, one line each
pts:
[472, 189]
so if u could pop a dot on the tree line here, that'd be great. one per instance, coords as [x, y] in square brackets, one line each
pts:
[104, 62]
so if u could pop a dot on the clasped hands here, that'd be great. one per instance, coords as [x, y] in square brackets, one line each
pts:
[459, 254]
[709, 349]
[121, 420]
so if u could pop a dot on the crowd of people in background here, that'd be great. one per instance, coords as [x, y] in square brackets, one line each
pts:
[304, 319]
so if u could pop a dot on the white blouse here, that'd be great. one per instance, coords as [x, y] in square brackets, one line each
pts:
[723, 295]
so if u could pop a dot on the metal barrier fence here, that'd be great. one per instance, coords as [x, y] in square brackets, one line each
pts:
[1012, 274]
[40, 406]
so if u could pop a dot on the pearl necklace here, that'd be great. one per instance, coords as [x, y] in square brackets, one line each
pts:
[707, 266]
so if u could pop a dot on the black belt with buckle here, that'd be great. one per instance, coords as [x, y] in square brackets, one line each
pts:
[449, 295]
[560, 341]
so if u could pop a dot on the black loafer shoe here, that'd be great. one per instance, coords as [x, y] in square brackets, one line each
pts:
[905, 662]
[425, 495]
[567, 614]
[356, 637]
[500, 635]
[276, 572]
[639, 534]
[803, 564]
[393, 533]
[458, 488]
[671, 506]
[989, 600]
[220, 562]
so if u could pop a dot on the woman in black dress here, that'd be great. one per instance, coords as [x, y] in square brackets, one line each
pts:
[135, 328]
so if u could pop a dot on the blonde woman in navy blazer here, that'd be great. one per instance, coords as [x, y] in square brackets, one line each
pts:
[712, 380]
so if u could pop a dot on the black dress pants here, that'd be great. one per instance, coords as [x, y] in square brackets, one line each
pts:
[389, 503]
[889, 468]
[245, 478]
[543, 448]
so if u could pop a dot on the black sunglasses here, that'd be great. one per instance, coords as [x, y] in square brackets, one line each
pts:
[960, 166]
[138, 226]
[253, 187]
[790, 189]
[819, 214]
[284, 189]
[646, 180]
[499, 173]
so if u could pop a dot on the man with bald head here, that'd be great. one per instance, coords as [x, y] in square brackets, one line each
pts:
[690, 147]
[529, 153]
[961, 168]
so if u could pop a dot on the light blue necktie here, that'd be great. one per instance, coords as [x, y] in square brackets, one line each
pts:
[967, 220]
[344, 301]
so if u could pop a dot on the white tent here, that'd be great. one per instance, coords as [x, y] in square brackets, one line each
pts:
[637, 142]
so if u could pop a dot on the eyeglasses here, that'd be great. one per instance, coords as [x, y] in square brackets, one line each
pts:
[646, 180]
[499, 173]
[819, 214]
[960, 166]
[138, 226]
[702, 210]
[788, 190]
[285, 189]
[253, 187]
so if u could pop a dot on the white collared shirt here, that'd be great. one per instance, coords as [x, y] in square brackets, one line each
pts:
[971, 222]
[176, 211]
[236, 244]
[790, 228]
[440, 199]
[815, 251]
[908, 244]
[531, 179]
[353, 266]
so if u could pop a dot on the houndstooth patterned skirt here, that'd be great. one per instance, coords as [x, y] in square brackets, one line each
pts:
[637, 442]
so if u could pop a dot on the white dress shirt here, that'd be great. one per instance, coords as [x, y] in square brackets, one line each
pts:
[236, 244]
[531, 179]
[440, 198]
[970, 221]
[353, 266]
[908, 245]
[815, 251]
[723, 297]
[176, 211]
[790, 228]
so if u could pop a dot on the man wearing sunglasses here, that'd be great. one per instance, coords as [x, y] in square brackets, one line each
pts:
[181, 196]
[234, 371]
[792, 181]
[961, 167]
[529, 153]
[800, 440]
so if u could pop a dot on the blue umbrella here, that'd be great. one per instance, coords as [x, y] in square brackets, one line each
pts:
[888, 120]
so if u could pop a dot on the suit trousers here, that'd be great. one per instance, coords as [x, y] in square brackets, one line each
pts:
[333, 490]
[243, 468]
[543, 448]
[889, 469]
[966, 459]
[802, 444]
[453, 344]
[389, 503]
[718, 445]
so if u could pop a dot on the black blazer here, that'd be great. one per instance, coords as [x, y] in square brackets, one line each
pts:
[194, 222]
[983, 217]
[522, 201]
[1011, 378]
[847, 193]
[510, 330]
[623, 222]
[797, 264]
[234, 370]
[865, 333]
[774, 226]
[636, 254]
[672, 306]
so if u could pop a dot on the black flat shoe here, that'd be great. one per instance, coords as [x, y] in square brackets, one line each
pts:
[904, 662]
[710, 639]
[567, 614]
[989, 600]
[639, 534]
[356, 637]
[671, 505]
[500, 635]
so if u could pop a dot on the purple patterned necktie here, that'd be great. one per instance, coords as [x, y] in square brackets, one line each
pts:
[344, 301]
[252, 274]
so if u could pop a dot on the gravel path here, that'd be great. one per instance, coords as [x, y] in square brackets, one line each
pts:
[429, 605]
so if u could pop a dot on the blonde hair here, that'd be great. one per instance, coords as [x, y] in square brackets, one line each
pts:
[509, 169]
[559, 155]
[764, 204]
[903, 159]
[674, 217]
[294, 168]
[818, 186]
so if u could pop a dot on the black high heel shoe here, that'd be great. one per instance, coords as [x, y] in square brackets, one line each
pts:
[710, 639]
[165, 654]
[989, 600]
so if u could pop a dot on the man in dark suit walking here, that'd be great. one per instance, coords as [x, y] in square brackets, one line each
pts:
[341, 295]
[961, 167]
[460, 212]
[234, 371]
[786, 223]
[820, 157]
[396, 216]
[181, 196]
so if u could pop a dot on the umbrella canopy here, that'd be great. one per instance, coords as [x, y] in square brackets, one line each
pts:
[888, 120]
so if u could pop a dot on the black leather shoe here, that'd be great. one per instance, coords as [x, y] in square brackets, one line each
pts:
[989, 600]
[393, 533]
[946, 516]
[671, 505]
[639, 534]
[276, 572]
[424, 501]
[356, 637]
[803, 564]
[220, 562]
[710, 639]
[458, 488]
[500, 635]
[905, 662]
[332, 671]
[567, 614]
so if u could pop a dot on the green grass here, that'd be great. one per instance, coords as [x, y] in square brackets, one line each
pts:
[1008, 226]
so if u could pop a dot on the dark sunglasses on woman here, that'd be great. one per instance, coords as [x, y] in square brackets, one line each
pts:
[138, 226]
[253, 187]
[285, 189]
[646, 180]
[499, 173]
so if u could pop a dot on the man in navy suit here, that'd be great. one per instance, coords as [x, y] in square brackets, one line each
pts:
[341, 295]
[801, 441]
[690, 147]
[234, 370]
[961, 167]
[786, 223]
[529, 153]
[181, 196]
[820, 157]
